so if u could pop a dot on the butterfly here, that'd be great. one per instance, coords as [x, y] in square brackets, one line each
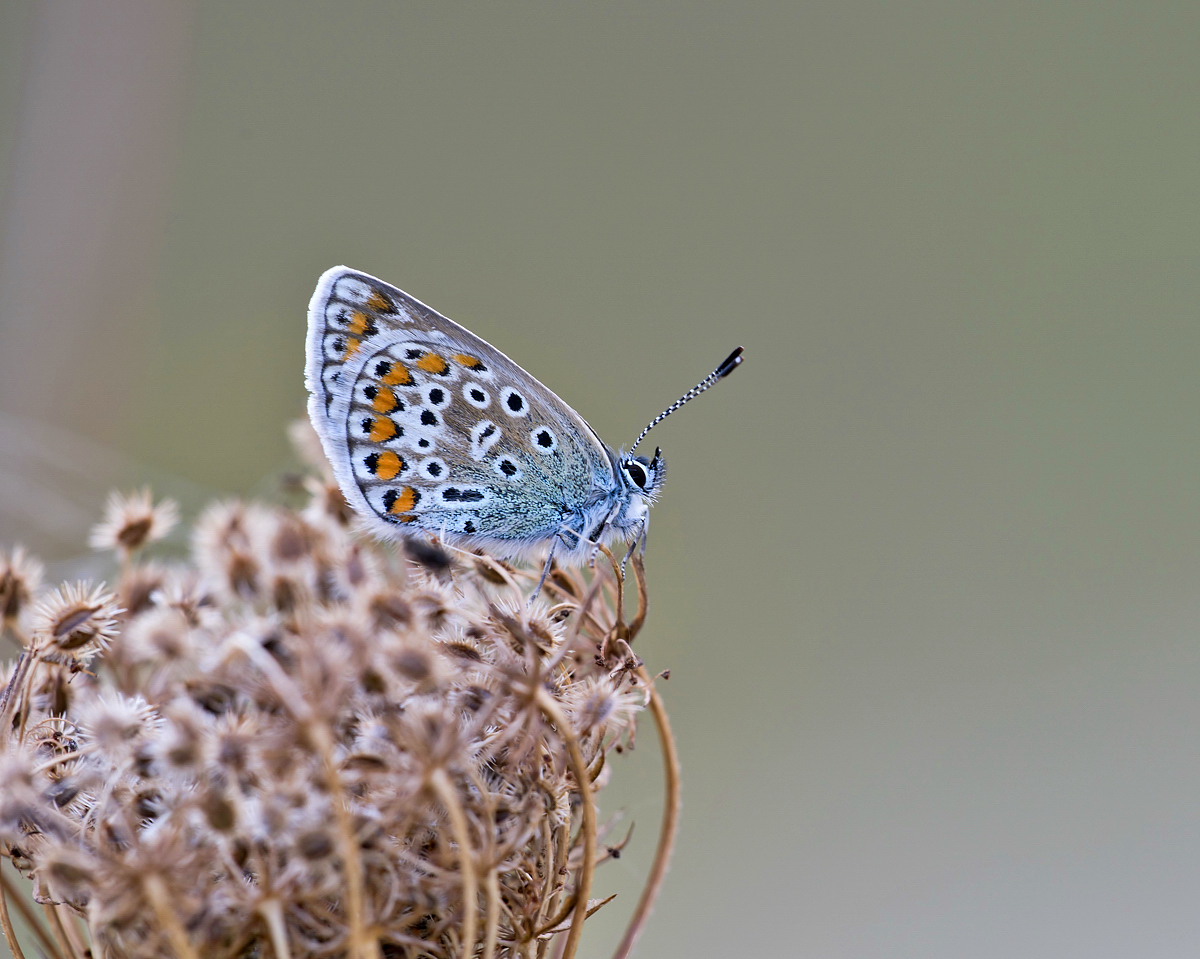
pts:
[431, 430]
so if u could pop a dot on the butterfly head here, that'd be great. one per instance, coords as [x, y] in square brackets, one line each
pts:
[644, 476]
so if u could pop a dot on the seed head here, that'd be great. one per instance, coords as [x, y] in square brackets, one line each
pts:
[132, 521]
[118, 725]
[77, 620]
[20, 577]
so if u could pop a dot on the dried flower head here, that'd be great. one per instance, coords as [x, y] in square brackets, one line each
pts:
[311, 745]
[76, 620]
[131, 521]
[20, 577]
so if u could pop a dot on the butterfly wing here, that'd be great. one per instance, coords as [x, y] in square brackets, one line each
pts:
[430, 428]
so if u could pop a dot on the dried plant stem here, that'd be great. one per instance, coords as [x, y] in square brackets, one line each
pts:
[458, 822]
[670, 820]
[6, 890]
[160, 902]
[60, 932]
[17, 678]
[491, 928]
[362, 945]
[10, 934]
[272, 912]
[555, 714]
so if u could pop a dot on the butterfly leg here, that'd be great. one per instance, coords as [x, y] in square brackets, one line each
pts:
[563, 531]
[594, 536]
[545, 571]
[638, 540]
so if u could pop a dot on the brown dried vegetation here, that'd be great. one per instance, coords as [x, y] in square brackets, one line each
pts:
[305, 744]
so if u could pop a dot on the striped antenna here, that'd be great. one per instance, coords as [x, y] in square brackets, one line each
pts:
[730, 364]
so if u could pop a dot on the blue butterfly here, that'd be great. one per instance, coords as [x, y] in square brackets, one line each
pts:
[432, 430]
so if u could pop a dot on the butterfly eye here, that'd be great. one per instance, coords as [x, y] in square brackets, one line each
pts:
[636, 473]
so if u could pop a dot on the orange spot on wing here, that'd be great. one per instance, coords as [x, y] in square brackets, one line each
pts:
[388, 465]
[385, 400]
[352, 346]
[432, 363]
[398, 375]
[382, 430]
[380, 303]
[408, 518]
[404, 502]
[470, 362]
[358, 323]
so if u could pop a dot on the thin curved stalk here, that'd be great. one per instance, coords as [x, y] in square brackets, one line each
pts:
[8, 890]
[458, 822]
[554, 713]
[60, 931]
[492, 920]
[272, 912]
[10, 934]
[362, 944]
[156, 892]
[670, 821]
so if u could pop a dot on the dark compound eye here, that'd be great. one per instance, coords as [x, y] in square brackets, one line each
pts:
[637, 474]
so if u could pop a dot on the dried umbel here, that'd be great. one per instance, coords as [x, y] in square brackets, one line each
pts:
[313, 746]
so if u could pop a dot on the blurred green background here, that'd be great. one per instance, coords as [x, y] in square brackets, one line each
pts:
[925, 569]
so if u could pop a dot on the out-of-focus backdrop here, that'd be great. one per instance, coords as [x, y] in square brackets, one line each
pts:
[925, 571]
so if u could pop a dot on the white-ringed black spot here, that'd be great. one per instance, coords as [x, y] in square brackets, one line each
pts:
[507, 469]
[372, 462]
[438, 397]
[476, 395]
[423, 443]
[543, 439]
[469, 527]
[434, 468]
[484, 435]
[382, 368]
[413, 354]
[428, 418]
[514, 403]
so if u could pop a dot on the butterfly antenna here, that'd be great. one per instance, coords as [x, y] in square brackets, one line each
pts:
[730, 363]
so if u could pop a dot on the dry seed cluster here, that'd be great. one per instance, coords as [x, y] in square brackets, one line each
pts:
[305, 745]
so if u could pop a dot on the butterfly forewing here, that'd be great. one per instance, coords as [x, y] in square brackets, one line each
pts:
[430, 428]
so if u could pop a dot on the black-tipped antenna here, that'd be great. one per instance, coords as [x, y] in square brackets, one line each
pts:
[729, 364]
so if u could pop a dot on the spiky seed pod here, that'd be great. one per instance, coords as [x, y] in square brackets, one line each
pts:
[20, 577]
[131, 521]
[76, 620]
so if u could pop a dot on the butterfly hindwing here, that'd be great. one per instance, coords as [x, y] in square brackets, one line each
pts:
[430, 428]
